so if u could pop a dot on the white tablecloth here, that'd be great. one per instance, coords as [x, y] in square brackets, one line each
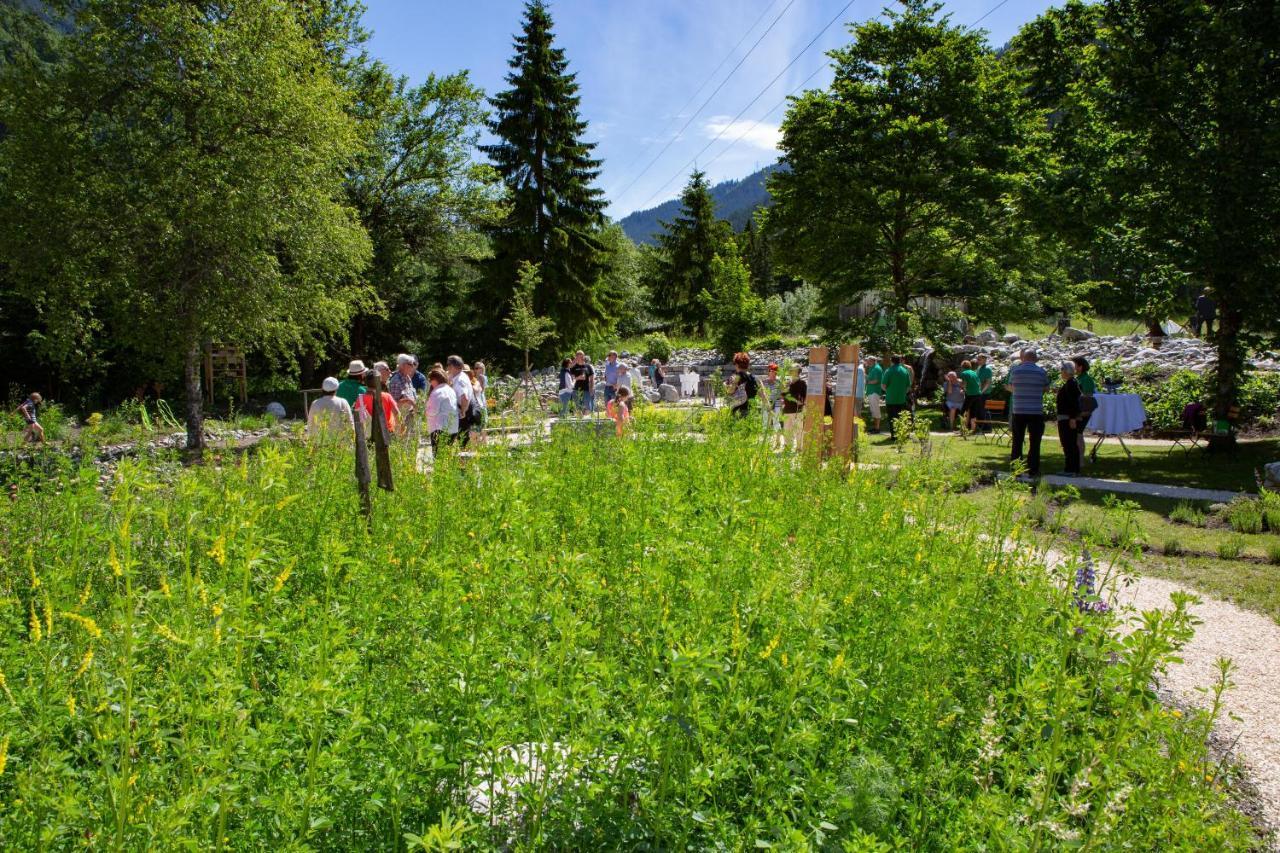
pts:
[1117, 414]
[689, 384]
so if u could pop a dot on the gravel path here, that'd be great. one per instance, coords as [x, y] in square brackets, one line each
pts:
[1252, 642]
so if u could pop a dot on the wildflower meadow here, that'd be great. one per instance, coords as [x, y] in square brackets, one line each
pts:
[591, 643]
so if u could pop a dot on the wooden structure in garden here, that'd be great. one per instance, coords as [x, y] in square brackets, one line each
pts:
[223, 362]
[843, 438]
[372, 380]
[815, 401]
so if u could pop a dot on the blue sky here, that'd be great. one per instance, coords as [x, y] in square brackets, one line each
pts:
[639, 63]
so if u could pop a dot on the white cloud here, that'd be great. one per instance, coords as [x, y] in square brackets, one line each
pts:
[760, 134]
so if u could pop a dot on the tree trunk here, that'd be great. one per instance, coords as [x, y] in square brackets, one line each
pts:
[195, 399]
[1230, 361]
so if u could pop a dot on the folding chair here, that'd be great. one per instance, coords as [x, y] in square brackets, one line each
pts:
[999, 426]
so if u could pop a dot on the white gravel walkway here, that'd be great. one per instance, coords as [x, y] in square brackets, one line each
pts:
[1251, 708]
[1252, 642]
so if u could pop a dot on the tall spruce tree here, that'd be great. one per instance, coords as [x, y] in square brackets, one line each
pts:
[556, 212]
[689, 244]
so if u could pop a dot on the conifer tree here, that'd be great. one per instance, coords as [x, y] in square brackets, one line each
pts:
[556, 211]
[689, 244]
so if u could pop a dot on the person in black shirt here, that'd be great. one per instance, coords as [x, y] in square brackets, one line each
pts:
[584, 382]
[743, 387]
[1069, 423]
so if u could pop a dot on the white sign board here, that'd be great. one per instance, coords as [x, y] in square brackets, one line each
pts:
[815, 378]
[846, 374]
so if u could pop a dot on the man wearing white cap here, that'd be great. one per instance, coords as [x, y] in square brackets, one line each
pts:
[330, 415]
[353, 386]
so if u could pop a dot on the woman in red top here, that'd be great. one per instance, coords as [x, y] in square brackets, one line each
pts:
[364, 406]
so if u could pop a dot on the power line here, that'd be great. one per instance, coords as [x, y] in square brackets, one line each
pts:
[729, 77]
[751, 103]
[676, 117]
[988, 12]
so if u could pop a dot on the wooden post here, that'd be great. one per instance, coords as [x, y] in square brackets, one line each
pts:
[842, 414]
[381, 435]
[815, 401]
[362, 468]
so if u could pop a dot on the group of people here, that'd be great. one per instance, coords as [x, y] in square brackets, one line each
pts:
[451, 398]
[965, 394]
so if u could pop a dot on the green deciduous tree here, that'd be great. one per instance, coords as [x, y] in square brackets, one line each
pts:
[526, 331]
[556, 211]
[905, 174]
[1197, 93]
[689, 244]
[177, 180]
[732, 308]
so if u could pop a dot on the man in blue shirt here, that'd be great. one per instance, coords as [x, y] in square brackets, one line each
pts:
[1028, 382]
[610, 376]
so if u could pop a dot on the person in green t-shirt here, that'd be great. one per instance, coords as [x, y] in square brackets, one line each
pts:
[351, 388]
[972, 394]
[986, 381]
[896, 382]
[1088, 390]
[875, 389]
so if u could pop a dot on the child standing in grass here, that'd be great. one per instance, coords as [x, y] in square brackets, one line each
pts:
[30, 411]
[619, 408]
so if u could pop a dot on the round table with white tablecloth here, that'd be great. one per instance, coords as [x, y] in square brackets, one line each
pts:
[1116, 415]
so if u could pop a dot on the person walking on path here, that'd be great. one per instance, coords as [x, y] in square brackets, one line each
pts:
[1028, 382]
[442, 410]
[743, 386]
[619, 409]
[1068, 406]
[329, 415]
[584, 383]
[953, 397]
[466, 397]
[1206, 312]
[1088, 401]
[972, 394]
[793, 410]
[986, 379]
[896, 382]
[33, 431]
[353, 386]
[875, 390]
[611, 370]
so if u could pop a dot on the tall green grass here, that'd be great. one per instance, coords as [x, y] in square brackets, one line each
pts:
[708, 645]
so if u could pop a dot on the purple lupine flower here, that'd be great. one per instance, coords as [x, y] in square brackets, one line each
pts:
[1086, 598]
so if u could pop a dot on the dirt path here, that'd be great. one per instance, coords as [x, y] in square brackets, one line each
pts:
[1251, 708]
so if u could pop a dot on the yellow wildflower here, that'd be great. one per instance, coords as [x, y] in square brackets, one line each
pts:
[4, 753]
[167, 632]
[217, 611]
[285, 501]
[838, 663]
[219, 551]
[84, 663]
[114, 562]
[4, 685]
[88, 590]
[773, 644]
[48, 618]
[164, 585]
[284, 575]
[785, 660]
[34, 622]
[71, 704]
[85, 622]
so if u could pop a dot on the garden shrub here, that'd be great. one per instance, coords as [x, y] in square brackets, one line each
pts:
[1244, 515]
[657, 346]
[1172, 547]
[710, 646]
[1273, 554]
[769, 342]
[1187, 512]
[1230, 548]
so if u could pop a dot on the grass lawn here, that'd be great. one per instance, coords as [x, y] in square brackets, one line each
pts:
[1180, 552]
[1233, 471]
[1112, 326]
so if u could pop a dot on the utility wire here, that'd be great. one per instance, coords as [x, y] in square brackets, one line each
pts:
[685, 127]
[676, 117]
[750, 103]
[988, 12]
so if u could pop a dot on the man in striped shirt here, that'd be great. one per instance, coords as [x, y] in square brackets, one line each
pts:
[1028, 382]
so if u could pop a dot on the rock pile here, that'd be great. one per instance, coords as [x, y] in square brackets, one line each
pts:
[1133, 351]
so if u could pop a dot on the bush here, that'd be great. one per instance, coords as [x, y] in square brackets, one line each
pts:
[1164, 401]
[1244, 515]
[734, 311]
[1187, 512]
[202, 653]
[657, 346]
[1172, 548]
[770, 342]
[1270, 509]
[1230, 548]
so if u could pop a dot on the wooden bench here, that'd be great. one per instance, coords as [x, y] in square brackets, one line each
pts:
[999, 425]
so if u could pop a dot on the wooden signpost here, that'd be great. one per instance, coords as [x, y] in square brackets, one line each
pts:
[844, 432]
[815, 401]
[381, 441]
